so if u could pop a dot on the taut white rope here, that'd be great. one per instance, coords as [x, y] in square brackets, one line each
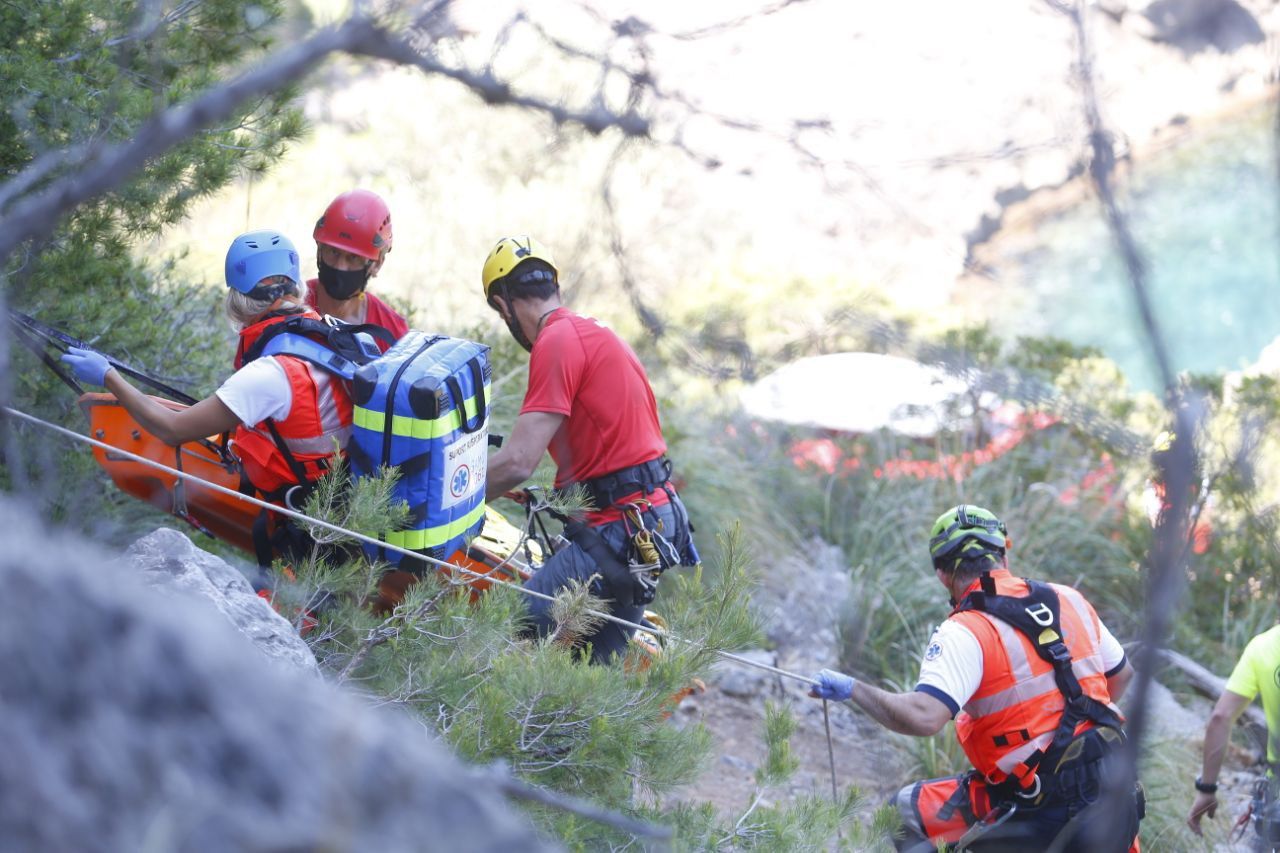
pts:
[363, 538]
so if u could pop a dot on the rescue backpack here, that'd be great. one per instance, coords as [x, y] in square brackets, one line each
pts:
[423, 406]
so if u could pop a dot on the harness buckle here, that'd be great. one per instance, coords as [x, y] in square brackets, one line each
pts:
[1033, 793]
[289, 497]
[998, 816]
[1059, 652]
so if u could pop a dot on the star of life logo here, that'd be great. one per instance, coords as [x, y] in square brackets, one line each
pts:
[934, 651]
[461, 479]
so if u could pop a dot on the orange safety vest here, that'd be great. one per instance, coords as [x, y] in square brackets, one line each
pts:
[1012, 717]
[319, 414]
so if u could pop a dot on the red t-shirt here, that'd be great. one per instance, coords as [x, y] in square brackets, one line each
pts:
[376, 311]
[581, 369]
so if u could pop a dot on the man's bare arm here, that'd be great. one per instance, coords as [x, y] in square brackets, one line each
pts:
[521, 452]
[1117, 684]
[911, 713]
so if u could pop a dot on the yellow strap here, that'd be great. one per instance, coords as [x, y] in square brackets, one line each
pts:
[430, 537]
[503, 538]
[407, 426]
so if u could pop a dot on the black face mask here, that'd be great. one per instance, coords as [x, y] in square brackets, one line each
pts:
[342, 284]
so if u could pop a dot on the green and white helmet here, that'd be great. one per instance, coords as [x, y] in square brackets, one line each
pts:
[966, 528]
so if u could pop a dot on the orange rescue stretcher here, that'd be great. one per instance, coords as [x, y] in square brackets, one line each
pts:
[231, 519]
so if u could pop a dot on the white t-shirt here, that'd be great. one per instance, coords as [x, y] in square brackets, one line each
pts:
[258, 391]
[951, 670]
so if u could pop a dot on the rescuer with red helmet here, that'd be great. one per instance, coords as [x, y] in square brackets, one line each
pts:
[353, 238]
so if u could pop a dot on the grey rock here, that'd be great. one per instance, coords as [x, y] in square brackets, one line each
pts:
[169, 562]
[131, 720]
[1196, 25]
[1168, 718]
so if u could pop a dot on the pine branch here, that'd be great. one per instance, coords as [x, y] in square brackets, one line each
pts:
[39, 169]
[574, 613]
[391, 627]
[107, 167]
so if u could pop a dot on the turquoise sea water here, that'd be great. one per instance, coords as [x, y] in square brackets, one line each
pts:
[1205, 216]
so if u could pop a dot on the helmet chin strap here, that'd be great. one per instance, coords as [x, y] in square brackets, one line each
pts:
[513, 324]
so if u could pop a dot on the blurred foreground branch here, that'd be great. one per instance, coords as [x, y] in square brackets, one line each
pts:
[1166, 575]
[102, 168]
[521, 790]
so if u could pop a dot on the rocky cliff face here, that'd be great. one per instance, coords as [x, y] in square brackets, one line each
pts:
[132, 719]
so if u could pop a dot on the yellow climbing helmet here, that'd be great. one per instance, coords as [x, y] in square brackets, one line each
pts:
[508, 254]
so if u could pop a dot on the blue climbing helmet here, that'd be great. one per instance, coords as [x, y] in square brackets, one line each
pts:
[258, 255]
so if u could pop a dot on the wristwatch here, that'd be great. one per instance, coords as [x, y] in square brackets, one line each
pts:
[1206, 787]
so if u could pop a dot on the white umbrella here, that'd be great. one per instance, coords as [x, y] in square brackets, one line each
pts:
[856, 392]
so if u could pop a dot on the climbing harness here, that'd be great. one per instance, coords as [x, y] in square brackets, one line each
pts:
[607, 489]
[632, 577]
[1264, 812]
[649, 553]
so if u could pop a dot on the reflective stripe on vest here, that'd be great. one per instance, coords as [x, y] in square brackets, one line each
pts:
[1010, 760]
[1026, 685]
[1017, 705]
[431, 537]
[334, 407]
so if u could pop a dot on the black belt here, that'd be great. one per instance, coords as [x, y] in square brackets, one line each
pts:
[644, 478]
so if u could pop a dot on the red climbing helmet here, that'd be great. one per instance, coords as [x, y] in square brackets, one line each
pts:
[358, 222]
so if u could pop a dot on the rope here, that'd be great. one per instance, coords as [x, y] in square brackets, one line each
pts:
[831, 757]
[183, 475]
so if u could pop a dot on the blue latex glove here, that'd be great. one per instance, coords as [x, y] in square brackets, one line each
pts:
[832, 685]
[89, 367]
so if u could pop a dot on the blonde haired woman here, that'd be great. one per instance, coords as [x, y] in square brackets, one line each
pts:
[288, 415]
